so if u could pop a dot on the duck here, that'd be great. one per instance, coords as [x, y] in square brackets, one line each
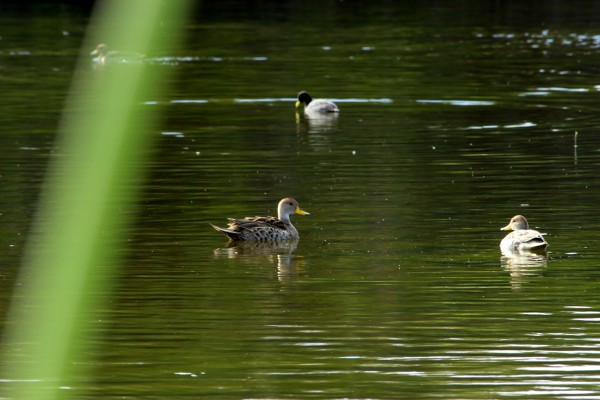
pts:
[103, 56]
[317, 105]
[522, 238]
[265, 229]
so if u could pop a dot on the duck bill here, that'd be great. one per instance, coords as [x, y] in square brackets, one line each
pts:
[298, 103]
[506, 228]
[300, 211]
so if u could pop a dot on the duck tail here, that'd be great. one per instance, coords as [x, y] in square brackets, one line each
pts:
[232, 234]
[537, 246]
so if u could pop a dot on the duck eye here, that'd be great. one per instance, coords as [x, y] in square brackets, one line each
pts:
[291, 204]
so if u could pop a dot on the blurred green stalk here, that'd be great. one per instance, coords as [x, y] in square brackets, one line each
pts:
[86, 201]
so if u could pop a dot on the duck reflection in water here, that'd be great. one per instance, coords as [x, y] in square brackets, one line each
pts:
[319, 123]
[241, 249]
[279, 253]
[524, 266]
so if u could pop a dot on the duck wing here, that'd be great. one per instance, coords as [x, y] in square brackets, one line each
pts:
[529, 239]
[255, 229]
[256, 222]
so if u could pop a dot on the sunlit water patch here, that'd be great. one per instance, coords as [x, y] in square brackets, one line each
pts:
[465, 103]
[174, 60]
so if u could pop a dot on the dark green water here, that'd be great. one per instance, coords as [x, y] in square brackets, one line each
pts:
[452, 121]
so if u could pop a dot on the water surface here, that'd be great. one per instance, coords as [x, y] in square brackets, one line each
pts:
[449, 126]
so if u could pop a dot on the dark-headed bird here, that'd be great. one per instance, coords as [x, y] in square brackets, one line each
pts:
[312, 106]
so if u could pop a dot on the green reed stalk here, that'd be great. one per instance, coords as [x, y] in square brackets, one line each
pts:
[86, 202]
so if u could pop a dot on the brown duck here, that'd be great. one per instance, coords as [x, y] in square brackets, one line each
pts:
[265, 229]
